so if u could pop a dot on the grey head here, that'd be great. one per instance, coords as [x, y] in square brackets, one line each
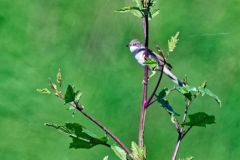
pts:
[135, 46]
[135, 43]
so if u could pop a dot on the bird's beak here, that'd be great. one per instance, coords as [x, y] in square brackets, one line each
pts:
[127, 45]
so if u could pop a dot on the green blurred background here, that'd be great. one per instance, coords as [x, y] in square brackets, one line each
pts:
[87, 40]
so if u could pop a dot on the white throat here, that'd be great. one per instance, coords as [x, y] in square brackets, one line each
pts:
[134, 48]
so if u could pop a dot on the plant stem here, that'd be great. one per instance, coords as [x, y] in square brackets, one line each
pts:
[145, 84]
[181, 132]
[108, 132]
[149, 102]
[177, 147]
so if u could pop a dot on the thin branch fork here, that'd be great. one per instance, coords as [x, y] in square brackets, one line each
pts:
[181, 132]
[155, 88]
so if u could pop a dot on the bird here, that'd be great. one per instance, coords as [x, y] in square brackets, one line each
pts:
[138, 51]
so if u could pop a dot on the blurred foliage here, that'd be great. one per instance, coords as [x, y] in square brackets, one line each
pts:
[87, 41]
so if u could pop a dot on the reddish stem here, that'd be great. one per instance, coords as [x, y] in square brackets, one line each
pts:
[108, 132]
[145, 84]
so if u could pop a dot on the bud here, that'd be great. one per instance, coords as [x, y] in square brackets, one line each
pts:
[59, 77]
[52, 85]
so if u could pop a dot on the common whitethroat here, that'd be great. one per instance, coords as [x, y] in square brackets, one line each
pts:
[138, 51]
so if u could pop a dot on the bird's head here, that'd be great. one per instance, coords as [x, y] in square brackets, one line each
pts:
[134, 45]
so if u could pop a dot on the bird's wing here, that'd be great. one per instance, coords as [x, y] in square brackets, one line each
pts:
[160, 59]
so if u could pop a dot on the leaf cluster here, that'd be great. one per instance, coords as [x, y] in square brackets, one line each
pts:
[190, 93]
[142, 9]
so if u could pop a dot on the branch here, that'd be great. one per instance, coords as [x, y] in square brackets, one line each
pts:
[145, 85]
[181, 132]
[155, 88]
[108, 132]
[187, 104]
[186, 131]
[177, 148]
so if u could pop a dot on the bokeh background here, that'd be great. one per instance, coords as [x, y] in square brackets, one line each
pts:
[87, 40]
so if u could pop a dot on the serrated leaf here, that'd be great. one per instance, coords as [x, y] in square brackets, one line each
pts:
[119, 152]
[164, 103]
[43, 91]
[173, 42]
[69, 95]
[151, 63]
[137, 152]
[59, 77]
[81, 137]
[202, 90]
[200, 119]
[206, 91]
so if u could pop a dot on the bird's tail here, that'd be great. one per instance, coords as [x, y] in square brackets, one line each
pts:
[173, 77]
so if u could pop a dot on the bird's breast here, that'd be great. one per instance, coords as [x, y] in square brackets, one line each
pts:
[140, 58]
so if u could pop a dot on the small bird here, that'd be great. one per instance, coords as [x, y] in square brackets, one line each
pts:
[138, 50]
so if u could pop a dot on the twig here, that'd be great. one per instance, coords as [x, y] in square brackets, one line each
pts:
[186, 131]
[187, 104]
[153, 101]
[155, 88]
[108, 132]
[181, 132]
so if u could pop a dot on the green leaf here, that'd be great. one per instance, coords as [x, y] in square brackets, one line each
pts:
[69, 95]
[43, 91]
[188, 158]
[202, 90]
[127, 9]
[173, 42]
[138, 153]
[206, 91]
[138, 3]
[120, 153]
[78, 95]
[136, 11]
[81, 137]
[200, 119]
[105, 158]
[151, 63]
[186, 91]
[153, 14]
[164, 102]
